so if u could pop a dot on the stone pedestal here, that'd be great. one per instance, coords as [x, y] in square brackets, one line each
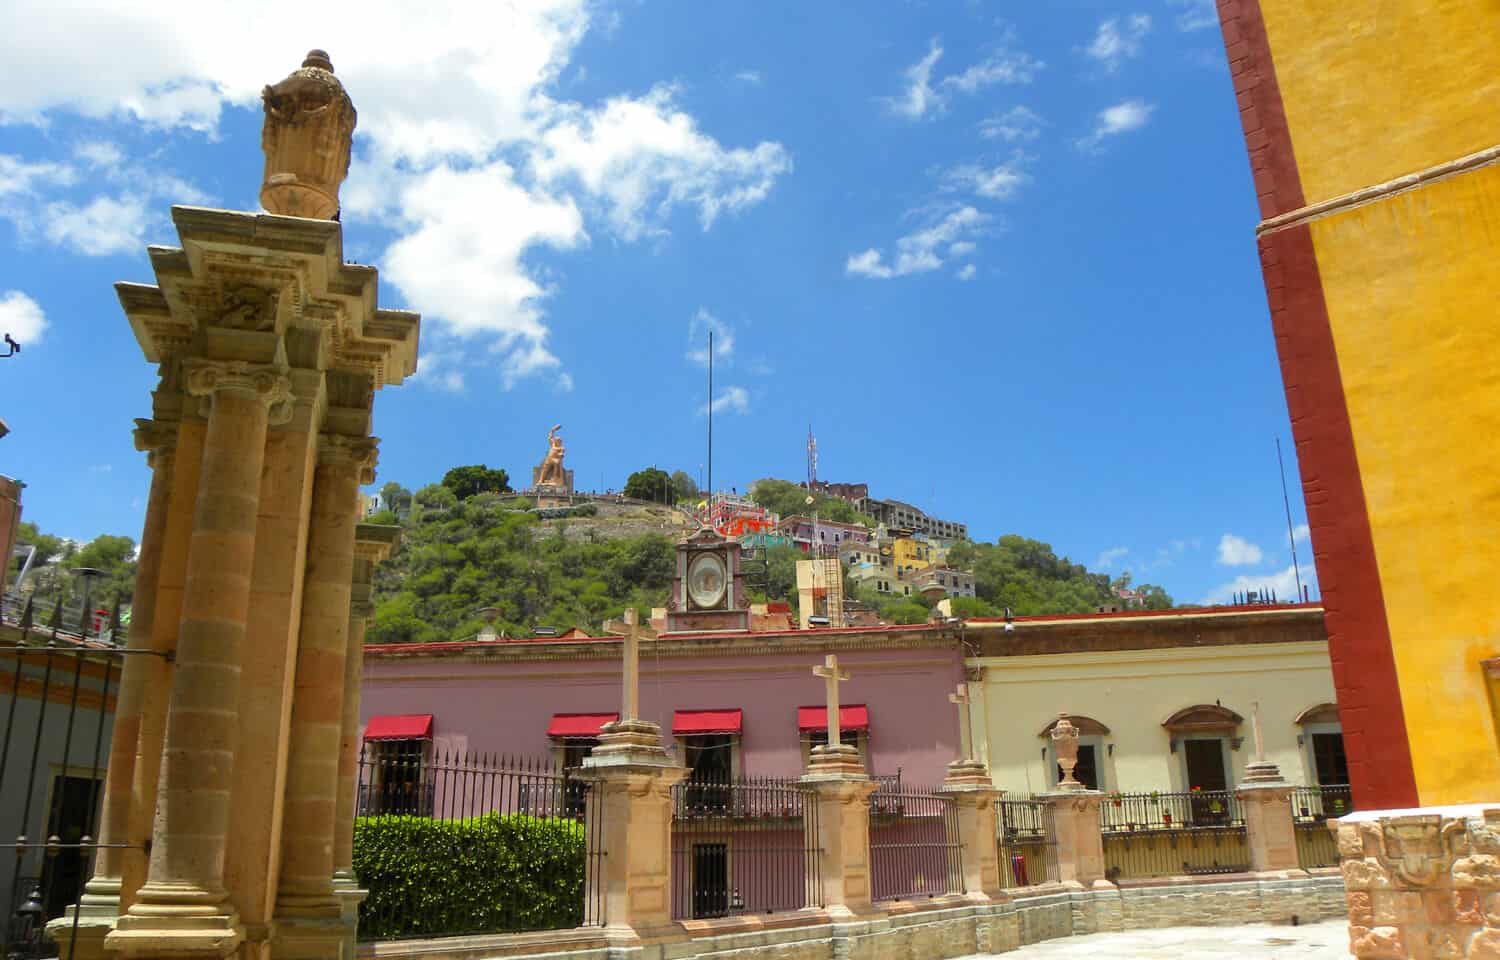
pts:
[632, 780]
[1422, 882]
[1269, 831]
[974, 796]
[843, 796]
[1078, 855]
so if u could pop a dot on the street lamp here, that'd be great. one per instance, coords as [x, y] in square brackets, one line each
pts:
[87, 574]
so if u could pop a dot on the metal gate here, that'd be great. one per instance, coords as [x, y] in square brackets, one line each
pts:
[58, 684]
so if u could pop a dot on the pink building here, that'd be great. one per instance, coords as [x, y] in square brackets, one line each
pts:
[730, 704]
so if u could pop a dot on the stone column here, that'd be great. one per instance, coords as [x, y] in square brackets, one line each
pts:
[183, 908]
[1422, 883]
[156, 684]
[843, 790]
[82, 936]
[1078, 854]
[974, 795]
[632, 780]
[1269, 831]
[308, 917]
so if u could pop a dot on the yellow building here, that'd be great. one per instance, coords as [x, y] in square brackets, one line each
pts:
[908, 553]
[1374, 138]
[1164, 700]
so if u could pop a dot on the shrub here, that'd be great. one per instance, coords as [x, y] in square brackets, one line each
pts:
[489, 874]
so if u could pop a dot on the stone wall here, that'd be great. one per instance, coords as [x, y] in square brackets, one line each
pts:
[936, 930]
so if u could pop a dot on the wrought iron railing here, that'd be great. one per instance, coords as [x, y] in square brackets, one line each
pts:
[1312, 808]
[450, 843]
[914, 845]
[58, 714]
[744, 847]
[1026, 840]
[1166, 834]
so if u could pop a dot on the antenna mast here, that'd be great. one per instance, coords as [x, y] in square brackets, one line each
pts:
[1287, 505]
[710, 490]
[812, 460]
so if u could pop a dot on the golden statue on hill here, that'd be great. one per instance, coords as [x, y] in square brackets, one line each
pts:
[550, 472]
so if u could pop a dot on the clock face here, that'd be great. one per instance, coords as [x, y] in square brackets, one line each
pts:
[706, 580]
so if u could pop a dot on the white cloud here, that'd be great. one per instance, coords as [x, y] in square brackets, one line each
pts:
[919, 252]
[751, 77]
[1238, 552]
[996, 183]
[967, 272]
[99, 153]
[21, 317]
[105, 226]
[456, 261]
[1283, 583]
[1115, 42]
[732, 400]
[698, 329]
[962, 248]
[18, 176]
[1016, 125]
[441, 369]
[1002, 66]
[1107, 558]
[919, 96]
[1196, 14]
[1301, 532]
[1123, 117]
[464, 146]
[644, 156]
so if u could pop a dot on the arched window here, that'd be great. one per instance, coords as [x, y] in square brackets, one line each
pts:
[1091, 752]
[1322, 739]
[1203, 735]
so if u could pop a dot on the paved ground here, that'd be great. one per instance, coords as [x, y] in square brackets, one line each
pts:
[1328, 940]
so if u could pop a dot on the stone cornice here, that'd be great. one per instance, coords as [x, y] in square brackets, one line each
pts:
[259, 274]
[607, 648]
[1167, 629]
[359, 453]
[375, 541]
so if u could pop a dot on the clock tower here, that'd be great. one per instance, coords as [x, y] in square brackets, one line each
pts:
[708, 593]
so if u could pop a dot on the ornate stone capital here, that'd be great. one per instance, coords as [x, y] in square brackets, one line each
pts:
[157, 439]
[206, 378]
[359, 453]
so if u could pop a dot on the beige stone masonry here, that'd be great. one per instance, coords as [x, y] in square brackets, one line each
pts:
[632, 779]
[1078, 855]
[843, 790]
[1422, 883]
[974, 797]
[1270, 832]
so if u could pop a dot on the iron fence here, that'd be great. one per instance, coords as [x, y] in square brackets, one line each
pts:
[744, 847]
[449, 843]
[57, 696]
[1312, 808]
[914, 845]
[1026, 840]
[1164, 834]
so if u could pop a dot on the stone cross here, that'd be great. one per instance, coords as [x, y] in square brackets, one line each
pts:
[960, 696]
[631, 668]
[1260, 747]
[832, 677]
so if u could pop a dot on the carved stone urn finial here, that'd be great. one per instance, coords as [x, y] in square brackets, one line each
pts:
[1065, 744]
[307, 136]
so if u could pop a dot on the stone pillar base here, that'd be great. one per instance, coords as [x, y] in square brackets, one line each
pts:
[350, 895]
[156, 929]
[1423, 882]
[1269, 831]
[310, 937]
[80, 931]
[974, 796]
[843, 796]
[1078, 854]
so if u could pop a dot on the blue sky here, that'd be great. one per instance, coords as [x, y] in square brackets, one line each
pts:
[1000, 257]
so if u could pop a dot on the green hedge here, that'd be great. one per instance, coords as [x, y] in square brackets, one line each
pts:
[491, 874]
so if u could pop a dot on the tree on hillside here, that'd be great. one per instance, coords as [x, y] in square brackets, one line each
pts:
[684, 487]
[475, 478]
[48, 547]
[786, 499]
[1030, 578]
[651, 484]
[396, 498]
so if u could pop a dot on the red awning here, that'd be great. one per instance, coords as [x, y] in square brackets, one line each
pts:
[579, 724]
[412, 726]
[853, 717]
[688, 722]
